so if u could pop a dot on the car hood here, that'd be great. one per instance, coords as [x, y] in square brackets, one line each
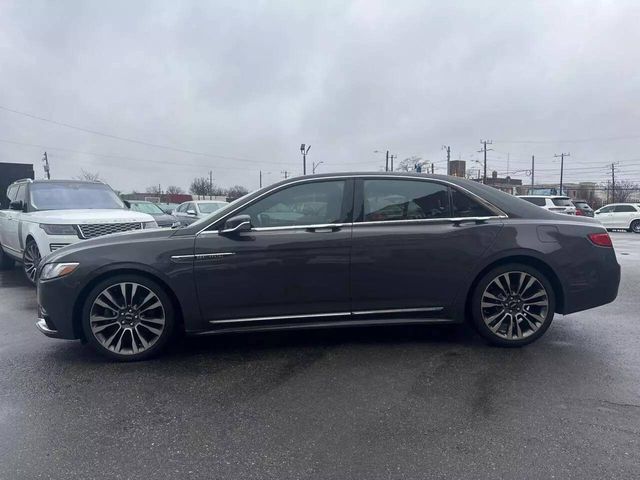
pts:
[163, 218]
[88, 216]
[130, 237]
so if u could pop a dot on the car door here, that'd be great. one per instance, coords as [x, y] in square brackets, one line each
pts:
[7, 217]
[605, 216]
[413, 242]
[623, 215]
[293, 263]
[12, 230]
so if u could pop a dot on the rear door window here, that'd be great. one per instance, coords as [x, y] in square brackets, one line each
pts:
[624, 209]
[391, 200]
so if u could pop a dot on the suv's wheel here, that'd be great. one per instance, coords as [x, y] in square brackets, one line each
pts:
[30, 260]
[635, 226]
[513, 305]
[6, 262]
[128, 317]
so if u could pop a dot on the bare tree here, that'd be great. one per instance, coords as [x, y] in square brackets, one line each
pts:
[200, 186]
[88, 176]
[411, 164]
[625, 190]
[174, 190]
[237, 191]
[154, 189]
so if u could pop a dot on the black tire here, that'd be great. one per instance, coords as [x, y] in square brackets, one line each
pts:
[96, 340]
[635, 226]
[520, 308]
[30, 260]
[6, 262]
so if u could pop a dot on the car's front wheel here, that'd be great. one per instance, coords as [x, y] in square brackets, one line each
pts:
[128, 317]
[635, 226]
[513, 305]
[30, 260]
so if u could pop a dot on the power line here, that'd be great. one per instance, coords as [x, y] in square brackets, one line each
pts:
[578, 140]
[126, 139]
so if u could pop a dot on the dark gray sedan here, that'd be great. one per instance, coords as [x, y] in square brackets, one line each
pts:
[162, 219]
[329, 251]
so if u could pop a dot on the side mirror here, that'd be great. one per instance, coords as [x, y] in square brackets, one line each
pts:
[191, 212]
[237, 224]
[16, 205]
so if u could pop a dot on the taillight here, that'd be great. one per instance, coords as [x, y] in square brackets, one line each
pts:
[601, 239]
[579, 212]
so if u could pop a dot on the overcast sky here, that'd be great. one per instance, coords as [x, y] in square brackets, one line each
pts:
[253, 80]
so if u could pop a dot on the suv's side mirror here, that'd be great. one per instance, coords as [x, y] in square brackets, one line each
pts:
[16, 205]
[237, 224]
[191, 212]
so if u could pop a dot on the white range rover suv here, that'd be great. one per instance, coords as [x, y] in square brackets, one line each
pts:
[45, 215]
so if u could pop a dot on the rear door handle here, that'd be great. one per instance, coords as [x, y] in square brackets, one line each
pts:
[323, 228]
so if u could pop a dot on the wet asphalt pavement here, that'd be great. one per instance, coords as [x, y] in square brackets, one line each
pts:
[401, 402]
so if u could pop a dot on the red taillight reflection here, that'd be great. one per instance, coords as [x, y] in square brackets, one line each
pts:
[600, 239]
[579, 212]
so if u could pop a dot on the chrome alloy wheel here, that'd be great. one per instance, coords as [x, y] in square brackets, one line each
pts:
[127, 318]
[31, 260]
[514, 305]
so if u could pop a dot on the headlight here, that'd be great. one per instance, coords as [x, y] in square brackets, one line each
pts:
[53, 229]
[152, 224]
[55, 270]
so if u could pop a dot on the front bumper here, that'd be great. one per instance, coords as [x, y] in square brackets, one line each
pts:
[56, 301]
[41, 325]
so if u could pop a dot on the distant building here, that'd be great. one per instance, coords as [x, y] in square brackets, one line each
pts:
[506, 184]
[458, 168]
[9, 173]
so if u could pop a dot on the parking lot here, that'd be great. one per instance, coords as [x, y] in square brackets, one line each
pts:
[386, 402]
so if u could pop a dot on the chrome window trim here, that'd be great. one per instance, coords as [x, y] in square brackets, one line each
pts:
[201, 256]
[498, 211]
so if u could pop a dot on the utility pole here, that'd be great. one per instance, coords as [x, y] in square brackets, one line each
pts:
[432, 168]
[45, 159]
[260, 178]
[392, 157]
[386, 165]
[562, 155]
[533, 171]
[285, 174]
[304, 157]
[613, 183]
[448, 149]
[484, 149]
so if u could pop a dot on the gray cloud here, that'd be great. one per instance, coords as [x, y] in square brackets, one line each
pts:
[253, 80]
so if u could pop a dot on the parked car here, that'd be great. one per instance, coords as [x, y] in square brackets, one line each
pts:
[355, 249]
[553, 203]
[620, 216]
[45, 215]
[162, 219]
[189, 212]
[583, 208]
[168, 207]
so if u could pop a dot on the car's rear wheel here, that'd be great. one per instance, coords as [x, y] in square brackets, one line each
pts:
[30, 260]
[6, 262]
[635, 226]
[128, 317]
[513, 305]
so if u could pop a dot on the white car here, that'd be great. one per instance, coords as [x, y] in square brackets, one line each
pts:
[189, 212]
[620, 215]
[553, 203]
[45, 215]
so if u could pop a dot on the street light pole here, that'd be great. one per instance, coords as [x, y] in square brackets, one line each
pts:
[304, 157]
[315, 165]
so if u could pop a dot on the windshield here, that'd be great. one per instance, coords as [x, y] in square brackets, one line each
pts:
[68, 196]
[150, 208]
[211, 207]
